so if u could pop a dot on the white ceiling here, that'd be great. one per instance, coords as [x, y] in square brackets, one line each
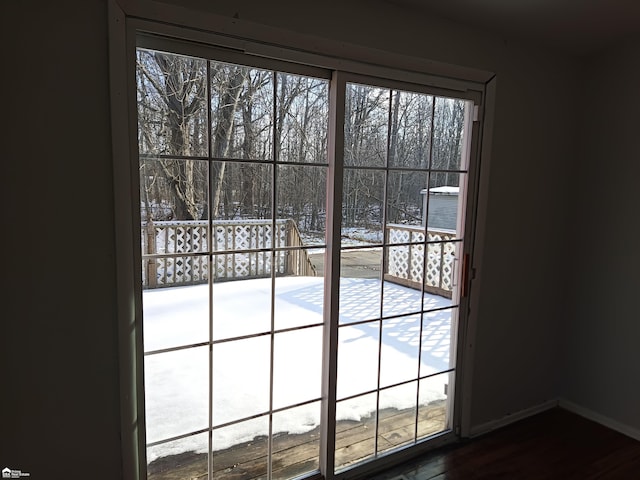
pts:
[577, 26]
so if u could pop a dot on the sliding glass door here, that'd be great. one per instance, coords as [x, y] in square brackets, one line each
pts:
[404, 173]
[300, 301]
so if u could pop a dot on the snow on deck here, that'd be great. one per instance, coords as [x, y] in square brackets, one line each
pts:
[177, 382]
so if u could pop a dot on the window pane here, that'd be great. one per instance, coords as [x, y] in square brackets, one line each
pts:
[433, 404]
[296, 442]
[406, 198]
[247, 265]
[240, 450]
[360, 284]
[361, 263]
[362, 207]
[241, 191]
[448, 134]
[443, 203]
[175, 316]
[302, 112]
[176, 393]
[366, 125]
[401, 299]
[301, 203]
[233, 315]
[436, 300]
[397, 416]
[297, 369]
[175, 190]
[240, 379]
[172, 104]
[355, 430]
[173, 271]
[242, 112]
[441, 270]
[436, 342]
[400, 348]
[299, 301]
[404, 264]
[174, 236]
[410, 130]
[184, 458]
[358, 347]
[398, 233]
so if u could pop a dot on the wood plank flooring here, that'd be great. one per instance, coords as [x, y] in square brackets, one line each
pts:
[554, 445]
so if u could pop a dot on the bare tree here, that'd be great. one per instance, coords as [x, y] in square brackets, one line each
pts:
[262, 120]
[172, 121]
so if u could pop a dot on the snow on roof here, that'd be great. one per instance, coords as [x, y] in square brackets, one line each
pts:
[444, 190]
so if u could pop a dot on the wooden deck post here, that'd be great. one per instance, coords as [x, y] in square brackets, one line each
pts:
[291, 261]
[152, 267]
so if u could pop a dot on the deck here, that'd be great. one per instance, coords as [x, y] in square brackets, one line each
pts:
[298, 454]
[178, 385]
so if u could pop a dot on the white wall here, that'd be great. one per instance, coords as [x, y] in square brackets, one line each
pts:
[60, 408]
[602, 348]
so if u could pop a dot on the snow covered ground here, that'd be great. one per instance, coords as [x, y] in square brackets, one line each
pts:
[177, 382]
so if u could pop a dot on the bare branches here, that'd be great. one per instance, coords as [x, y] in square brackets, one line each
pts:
[260, 124]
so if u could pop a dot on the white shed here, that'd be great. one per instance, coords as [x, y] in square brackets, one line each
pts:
[443, 206]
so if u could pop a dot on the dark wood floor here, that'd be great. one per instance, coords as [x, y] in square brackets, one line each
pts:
[555, 444]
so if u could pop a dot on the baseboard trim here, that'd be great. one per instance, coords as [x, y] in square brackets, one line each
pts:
[601, 419]
[511, 418]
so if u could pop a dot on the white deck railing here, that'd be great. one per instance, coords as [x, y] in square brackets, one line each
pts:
[405, 263]
[177, 252]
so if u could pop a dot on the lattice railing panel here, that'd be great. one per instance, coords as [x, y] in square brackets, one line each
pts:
[179, 270]
[177, 237]
[405, 263]
[416, 263]
[162, 242]
[398, 261]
